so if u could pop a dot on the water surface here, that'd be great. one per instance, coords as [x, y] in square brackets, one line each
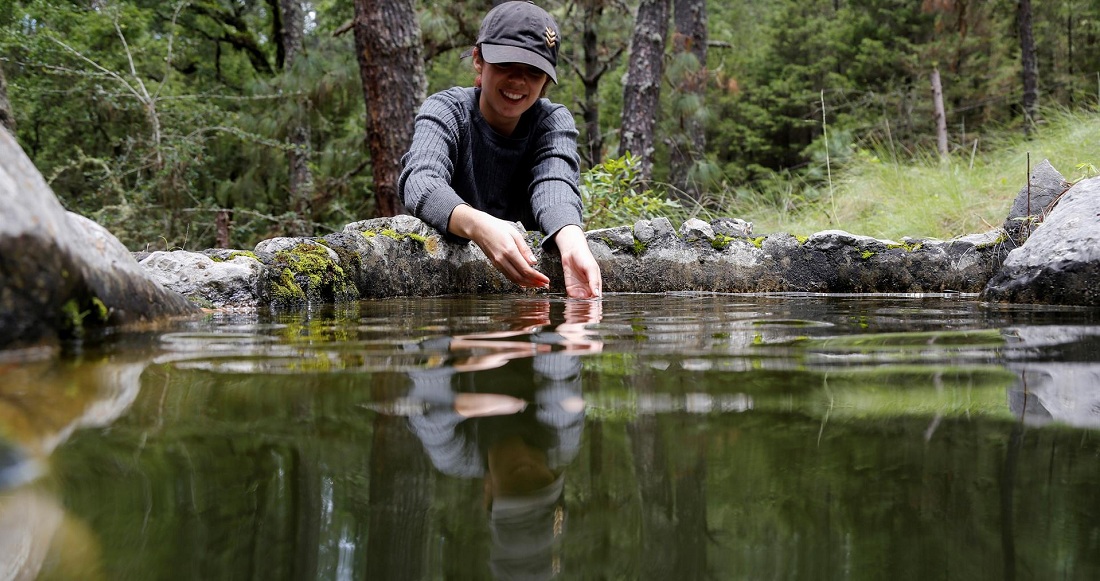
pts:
[683, 436]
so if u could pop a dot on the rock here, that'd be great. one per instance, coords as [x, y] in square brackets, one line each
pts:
[620, 238]
[230, 278]
[647, 231]
[61, 274]
[1059, 263]
[1034, 202]
[695, 229]
[732, 227]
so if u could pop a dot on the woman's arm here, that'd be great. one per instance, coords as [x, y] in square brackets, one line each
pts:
[429, 165]
[556, 202]
[502, 242]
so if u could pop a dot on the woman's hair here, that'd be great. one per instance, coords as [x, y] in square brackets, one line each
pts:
[476, 54]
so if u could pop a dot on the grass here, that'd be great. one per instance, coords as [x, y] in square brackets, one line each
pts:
[924, 197]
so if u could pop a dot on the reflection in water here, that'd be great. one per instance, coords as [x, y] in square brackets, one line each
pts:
[715, 437]
[40, 407]
[508, 408]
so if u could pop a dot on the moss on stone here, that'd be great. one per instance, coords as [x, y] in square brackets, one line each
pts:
[72, 320]
[75, 314]
[233, 255]
[866, 254]
[1001, 239]
[758, 241]
[311, 265]
[246, 253]
[287, 290]
[101, 311]
[801, 239]
[907, 246]
[720, 241]
[428, 243]
[639, 247]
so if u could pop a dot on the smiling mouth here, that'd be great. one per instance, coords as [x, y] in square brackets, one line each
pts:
[512, 96]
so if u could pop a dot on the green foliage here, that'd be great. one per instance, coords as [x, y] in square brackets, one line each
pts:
[614, 195]
[154, 117]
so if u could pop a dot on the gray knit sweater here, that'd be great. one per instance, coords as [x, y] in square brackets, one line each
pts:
[456, 158]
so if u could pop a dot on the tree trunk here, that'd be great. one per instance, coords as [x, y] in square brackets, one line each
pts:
[222, 222]
[387, 39]
[688, 148]
[300, 186]
[593, 143]
[941, 115]
[594, 70]
[1030, 63]
[642, 88]
[400, 502]
[7, 119]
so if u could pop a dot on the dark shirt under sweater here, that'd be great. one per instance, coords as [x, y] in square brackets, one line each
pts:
[456, 157]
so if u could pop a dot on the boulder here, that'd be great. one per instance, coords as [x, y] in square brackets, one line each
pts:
[221, 279]
[1059, 263]
[60, 273]
[1034, 202]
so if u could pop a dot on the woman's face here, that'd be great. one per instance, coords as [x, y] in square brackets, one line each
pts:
[508, 90]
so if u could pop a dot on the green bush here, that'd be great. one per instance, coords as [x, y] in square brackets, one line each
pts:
[615, 194]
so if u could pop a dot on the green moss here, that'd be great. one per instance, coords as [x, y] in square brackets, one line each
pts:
[801, 239]
[233, 255]
[72, 319]
[1001, 239]
[286, 289]
[639, 247]
[75, 314]
[247, 253]
[427, 242]
[720, 241]
[311, 267]
[866, 254]
[758, 241]
[907, 246]
[101, 311]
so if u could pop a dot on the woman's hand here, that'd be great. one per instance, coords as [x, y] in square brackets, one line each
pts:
[501, 242]
[582, 274]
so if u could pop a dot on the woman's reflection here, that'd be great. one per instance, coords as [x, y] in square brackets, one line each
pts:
[509, 409]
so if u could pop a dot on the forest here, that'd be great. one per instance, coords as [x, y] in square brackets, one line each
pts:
[200, 123]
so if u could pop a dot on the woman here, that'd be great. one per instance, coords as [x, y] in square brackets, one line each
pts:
[483, 157]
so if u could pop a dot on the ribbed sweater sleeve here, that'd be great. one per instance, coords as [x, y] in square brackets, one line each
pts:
[555, 193]
[429, 166]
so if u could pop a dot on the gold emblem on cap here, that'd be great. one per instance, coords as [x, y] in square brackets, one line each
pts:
[551, 37]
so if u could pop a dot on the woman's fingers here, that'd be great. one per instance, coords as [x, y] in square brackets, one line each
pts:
[583, 279]
[508, 251]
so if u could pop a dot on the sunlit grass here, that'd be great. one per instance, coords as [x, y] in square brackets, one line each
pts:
[923, 197]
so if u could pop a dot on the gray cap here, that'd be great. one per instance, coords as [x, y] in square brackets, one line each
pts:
[520, 32]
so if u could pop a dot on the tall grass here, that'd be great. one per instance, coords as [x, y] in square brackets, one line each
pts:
[922, 196]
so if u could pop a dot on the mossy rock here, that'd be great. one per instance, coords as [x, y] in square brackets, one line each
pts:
[307, 273]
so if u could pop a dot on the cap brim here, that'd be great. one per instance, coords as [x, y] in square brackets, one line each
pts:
[497, 53]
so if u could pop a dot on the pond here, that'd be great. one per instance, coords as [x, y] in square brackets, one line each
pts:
[676, 436]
